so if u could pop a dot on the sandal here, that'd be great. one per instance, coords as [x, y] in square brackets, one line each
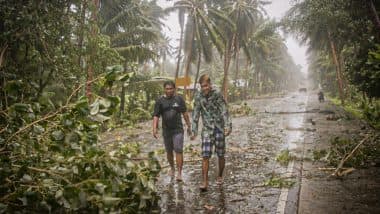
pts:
[203, 188]
[179, 179]
[219, 181]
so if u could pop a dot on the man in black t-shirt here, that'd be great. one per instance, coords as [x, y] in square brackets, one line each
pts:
[170, 107]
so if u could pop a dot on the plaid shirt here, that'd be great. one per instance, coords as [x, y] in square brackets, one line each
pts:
[214, 112]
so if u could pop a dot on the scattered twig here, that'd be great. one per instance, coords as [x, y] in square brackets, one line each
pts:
[290, 112]
[85, 181]
[345, 172]
[45, 171]
[5, 197]
[238, 200]
[3, 129]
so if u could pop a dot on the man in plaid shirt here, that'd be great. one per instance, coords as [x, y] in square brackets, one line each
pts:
[211, 105]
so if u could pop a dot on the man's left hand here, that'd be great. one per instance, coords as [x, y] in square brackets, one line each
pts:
[227, 132]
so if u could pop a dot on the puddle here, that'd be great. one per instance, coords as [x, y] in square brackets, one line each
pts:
[295, 126]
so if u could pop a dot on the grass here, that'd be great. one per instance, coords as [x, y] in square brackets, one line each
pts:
[351, 108]
[362, 110]
[278, 182]
[284, 157]
[319, 154]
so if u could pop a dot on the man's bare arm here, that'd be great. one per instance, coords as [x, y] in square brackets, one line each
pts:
[187, 121]
[155, 126]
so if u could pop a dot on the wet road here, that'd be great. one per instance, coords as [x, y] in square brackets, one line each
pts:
[255, 182]
[270, 167]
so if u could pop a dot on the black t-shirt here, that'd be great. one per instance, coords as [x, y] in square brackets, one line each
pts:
[170, 109]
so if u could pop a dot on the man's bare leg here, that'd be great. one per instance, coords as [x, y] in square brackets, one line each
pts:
[221, 162]
[170, 157]
[179, 163]
[205, 164]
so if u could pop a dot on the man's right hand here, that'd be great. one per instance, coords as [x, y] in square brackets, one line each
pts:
[193, 137]
[155, 134]
[189, 132]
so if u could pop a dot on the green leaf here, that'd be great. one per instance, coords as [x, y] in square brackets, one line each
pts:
[22, 107]
[100, 118]
[106, 103]
[123, 78]
[26, 178]
[82, 105]
[24, 201]
[100, 187]
[38, 129]
[94, 108]
[68, 123]
[114, 100]
[115, 68]
[58, 135]
[48, 182]
[14, 86]
[108, 200]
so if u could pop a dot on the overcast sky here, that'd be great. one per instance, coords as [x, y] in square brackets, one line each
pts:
[275, 10]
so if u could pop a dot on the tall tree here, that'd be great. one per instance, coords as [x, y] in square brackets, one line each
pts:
[200, 29]
[244, 14]
[315, 22]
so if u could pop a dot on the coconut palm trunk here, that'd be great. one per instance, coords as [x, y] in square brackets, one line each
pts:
[90, 70]
[198, 68]
[337, 67]
[246, 75]
[189, 53]
[181, 24]
[236, 59]
[227, 61]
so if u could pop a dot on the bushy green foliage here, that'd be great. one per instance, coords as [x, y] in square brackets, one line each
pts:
[51, 160]
[371, 112]
[284, 157]
[64, 169]
[364, 69]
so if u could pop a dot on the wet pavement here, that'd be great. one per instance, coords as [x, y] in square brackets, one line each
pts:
[255, 180]
[357, 192]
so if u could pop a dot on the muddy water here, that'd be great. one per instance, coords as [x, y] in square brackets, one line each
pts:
[250, 163]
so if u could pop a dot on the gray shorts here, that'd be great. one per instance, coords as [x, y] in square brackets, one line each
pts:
[173, 141]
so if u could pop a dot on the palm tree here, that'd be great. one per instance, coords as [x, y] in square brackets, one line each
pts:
[135, 31]
[244, 14]
[315, 23]
[133, 26]
[181, 20]
[200, 31]
[260, 45]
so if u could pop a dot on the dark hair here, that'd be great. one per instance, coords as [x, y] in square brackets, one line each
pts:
[169, 82]
[203, 78]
